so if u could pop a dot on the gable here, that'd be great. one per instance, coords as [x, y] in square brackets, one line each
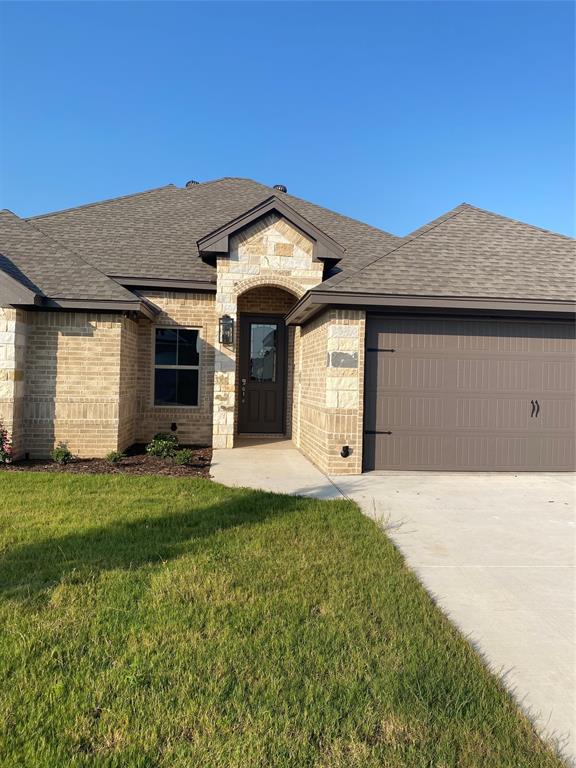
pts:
[273, 243]
[324, 248]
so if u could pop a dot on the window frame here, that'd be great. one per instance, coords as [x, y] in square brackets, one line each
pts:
[177, 367]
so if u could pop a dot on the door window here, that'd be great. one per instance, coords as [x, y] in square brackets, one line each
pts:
[263, 351]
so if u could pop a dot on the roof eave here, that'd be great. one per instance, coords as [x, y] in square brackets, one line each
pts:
[101, 305]
[315, 301]
[14, 294]
[161, 283]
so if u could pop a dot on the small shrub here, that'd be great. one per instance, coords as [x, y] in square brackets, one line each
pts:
[61, 454]
[115, 457]
[5, 446]
[184, 457]
[162, 445]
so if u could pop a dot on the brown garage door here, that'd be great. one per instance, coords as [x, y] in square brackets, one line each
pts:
[469, 394]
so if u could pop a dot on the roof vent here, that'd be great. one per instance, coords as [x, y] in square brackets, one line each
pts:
[280, 187]
[192, 183]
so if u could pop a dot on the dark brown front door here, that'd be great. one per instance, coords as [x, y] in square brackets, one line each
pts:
[262, 383]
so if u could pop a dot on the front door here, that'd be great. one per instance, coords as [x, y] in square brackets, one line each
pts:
[262, 383]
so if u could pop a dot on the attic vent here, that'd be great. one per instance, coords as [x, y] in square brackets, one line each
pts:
[192, 183]
[280, 187]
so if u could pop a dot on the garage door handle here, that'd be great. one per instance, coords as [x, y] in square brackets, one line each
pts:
[537, 408]
[533, 404]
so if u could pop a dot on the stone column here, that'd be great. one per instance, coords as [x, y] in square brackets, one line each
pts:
[224, 366]
[12, 365]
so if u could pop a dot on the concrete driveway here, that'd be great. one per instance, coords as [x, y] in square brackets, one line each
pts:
[498, 553]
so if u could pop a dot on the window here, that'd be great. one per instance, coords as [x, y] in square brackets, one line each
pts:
[263, 351]
[176, 366]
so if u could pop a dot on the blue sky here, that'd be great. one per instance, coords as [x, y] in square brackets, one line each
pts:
[388, 112]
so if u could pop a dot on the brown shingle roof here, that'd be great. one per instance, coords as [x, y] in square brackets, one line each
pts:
[154, 233]
[470, 252]
[48, 269]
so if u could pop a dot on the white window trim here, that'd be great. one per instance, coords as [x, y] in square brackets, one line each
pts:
[172, 406]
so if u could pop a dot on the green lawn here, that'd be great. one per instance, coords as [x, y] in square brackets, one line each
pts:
[179, 623]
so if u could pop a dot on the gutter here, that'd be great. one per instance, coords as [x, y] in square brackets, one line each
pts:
[315, 301]
[101, 305]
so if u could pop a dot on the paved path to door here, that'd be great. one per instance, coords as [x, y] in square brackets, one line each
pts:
[271, 465]
[498, 553]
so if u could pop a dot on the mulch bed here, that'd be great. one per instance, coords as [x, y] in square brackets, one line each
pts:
[136, 463]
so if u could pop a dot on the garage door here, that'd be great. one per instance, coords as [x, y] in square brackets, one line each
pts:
[469, 394]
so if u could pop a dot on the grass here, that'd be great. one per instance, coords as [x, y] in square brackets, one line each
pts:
[166, 622]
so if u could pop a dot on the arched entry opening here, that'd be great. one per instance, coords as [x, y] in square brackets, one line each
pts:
[264, 363]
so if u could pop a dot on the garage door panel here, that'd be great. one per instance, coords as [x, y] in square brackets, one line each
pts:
[405, 450]
[409, 373]
[492, 413]
[394, 412]
[498, 375]
[554, 452]
[485, 452]
[558, 414]
[557, 376]
[459, 394]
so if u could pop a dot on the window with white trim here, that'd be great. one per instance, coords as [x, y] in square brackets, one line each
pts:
[176, 366]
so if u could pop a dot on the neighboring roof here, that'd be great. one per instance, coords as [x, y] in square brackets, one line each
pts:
[470, 252]
[154, 234]
[38, 266]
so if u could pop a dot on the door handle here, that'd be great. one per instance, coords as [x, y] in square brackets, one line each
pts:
[243, 390]
[533, 404]
[537, 407]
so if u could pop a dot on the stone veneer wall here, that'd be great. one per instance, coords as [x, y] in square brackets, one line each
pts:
[12, 374]
[329, 401]
[189, 310]
[269, 252]
[73, 382]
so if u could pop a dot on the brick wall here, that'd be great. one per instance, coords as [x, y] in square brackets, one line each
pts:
[128, 386]
[329, 399]
[72, 382]
[189, 310]
[13, 331]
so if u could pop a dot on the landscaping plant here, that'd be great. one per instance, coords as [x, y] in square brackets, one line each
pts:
[184, 457]
[5, 445]
[162, 445]
[115, 457]
[61, 454]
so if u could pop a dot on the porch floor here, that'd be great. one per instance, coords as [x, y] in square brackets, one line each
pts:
[271, 464]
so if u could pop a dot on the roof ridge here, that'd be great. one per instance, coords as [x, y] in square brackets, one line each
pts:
[99, 202]
[519, 221]
[411, 237]
[294, 197]
[66, 249]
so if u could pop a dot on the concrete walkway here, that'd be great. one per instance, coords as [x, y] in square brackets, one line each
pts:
[271, 465]
[498, 553]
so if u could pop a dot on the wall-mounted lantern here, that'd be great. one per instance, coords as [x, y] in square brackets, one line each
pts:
[227, 330]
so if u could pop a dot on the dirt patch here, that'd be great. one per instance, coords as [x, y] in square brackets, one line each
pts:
[137, 462]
